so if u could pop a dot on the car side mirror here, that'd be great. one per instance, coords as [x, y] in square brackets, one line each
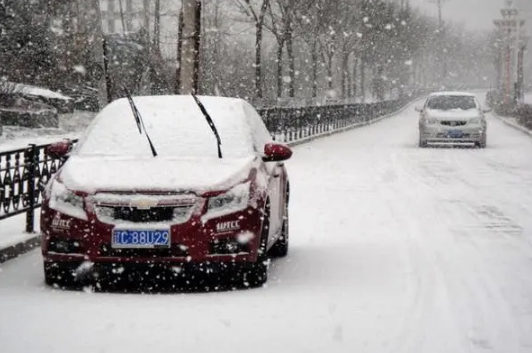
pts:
[59, 149]
[487, 110]
[419, 109]
[276, 152]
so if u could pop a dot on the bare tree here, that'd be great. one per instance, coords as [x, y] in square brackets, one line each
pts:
[257, 13]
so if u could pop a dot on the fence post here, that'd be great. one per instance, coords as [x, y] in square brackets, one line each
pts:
[30, 161]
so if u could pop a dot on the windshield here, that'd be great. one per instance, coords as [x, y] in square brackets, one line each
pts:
[175, 125]
[452, 102]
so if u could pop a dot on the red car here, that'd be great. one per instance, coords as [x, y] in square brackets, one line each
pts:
[159, 182]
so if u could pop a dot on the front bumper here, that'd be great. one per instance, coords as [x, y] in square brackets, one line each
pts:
[156, 274]
[450, 135]
[193, 242]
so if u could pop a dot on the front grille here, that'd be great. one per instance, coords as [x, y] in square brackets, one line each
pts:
[132, 214]
[176, 250]
[454, 123]
[463, 136]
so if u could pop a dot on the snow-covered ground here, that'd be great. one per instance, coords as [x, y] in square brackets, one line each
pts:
[394, 249]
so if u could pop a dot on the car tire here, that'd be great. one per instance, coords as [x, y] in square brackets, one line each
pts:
[257, 274]
[56, 275]
[482, 143]
[422, 143]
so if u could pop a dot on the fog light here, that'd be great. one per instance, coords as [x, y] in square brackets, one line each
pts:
[227, 247]
[232, 246]
[64, 246]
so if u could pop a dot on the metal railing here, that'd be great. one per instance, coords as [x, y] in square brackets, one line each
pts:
[25, 172]
[23, 175]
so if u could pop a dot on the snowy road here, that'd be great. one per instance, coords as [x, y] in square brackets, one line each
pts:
[394, 249]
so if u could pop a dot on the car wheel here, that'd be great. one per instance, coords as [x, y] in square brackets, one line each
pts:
[58, 276]
[280, 248]
[422, 143]
[257, 274]
[482, 143]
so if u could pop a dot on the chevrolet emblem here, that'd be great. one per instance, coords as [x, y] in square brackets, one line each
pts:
[143, 204]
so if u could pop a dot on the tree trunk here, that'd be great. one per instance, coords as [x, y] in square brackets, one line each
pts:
[291, 61]
[179, 52]
[354, 80]
[315, 68]
[349, 83]
[197, 47]
[330, 71]
[122, 18]
[146, 10]
[259, 29]
[363, 80]
[258, 60]
[157, 27]
[280, 69]
[191, 37]
[345, 74]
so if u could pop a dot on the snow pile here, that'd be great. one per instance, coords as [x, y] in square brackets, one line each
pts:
[39, 92]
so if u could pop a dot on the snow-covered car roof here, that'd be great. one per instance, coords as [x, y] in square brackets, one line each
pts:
[450, 93]
[176, 127]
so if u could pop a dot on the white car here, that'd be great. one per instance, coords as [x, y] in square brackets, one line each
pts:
[452, 118]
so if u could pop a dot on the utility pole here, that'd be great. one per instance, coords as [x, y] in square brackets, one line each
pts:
[189, 65]
[513, 43]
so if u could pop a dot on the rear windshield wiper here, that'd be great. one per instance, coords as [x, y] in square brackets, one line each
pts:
[211, 124]
[138, 119]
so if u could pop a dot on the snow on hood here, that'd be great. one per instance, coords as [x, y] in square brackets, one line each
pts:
[454, 114]
[93, 174]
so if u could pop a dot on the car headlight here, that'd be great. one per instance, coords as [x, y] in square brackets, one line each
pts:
[67, 202]
[475, 121]
[234, 200]
[432, 121]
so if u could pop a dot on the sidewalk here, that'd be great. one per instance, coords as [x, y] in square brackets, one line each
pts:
[511, 121]
[13, 238]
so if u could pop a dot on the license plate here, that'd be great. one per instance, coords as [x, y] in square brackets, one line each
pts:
[159, 238]
[455, 133]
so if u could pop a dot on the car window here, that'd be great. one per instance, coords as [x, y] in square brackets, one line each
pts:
[452, 102]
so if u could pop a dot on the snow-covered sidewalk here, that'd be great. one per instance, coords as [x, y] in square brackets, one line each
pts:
[12, 234]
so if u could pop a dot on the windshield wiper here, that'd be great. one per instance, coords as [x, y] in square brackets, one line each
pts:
[211, 124]
[138, 119]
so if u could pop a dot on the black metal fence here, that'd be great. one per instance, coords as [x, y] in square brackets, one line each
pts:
[25, 172]
[290, 124]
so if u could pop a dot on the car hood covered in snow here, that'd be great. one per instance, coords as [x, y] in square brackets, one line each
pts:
[92, 174]
[455, 114]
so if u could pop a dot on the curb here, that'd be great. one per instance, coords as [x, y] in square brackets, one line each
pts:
[513, 125]
[21, 248]
[18, 249]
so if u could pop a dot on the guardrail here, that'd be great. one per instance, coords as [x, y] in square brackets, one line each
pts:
[24, 172]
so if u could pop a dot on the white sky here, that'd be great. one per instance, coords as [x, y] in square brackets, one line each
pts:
[474, 14]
